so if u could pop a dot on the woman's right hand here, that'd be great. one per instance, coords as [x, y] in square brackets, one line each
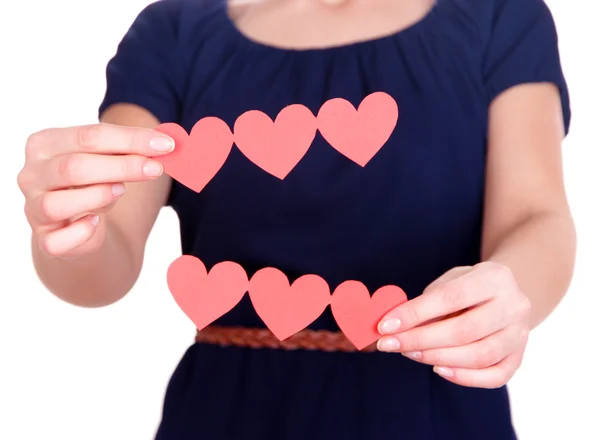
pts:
[73, 175]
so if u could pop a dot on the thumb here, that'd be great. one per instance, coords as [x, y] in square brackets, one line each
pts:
[452, 274]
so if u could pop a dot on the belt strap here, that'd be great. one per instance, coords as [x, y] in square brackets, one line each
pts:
[314, 340]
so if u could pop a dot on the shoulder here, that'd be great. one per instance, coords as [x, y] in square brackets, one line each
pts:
[163, 10]
[175, 25]
[501, 25]
[510, 14]
[486, 14]
[488, 9]
[176, 7]
[177, 13]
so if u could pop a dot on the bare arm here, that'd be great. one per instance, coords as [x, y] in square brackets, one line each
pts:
[528, 225]
[106, 275]
[472, 323]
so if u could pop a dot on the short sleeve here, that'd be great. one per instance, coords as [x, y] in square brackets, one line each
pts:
[523, 48]
[146, 69]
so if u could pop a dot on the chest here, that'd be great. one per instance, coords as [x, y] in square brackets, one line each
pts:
[422, 191]
[437, 143]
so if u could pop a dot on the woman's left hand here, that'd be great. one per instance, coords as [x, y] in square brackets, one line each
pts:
[471, 324]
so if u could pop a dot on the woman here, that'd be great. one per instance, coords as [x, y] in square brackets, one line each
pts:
[463, 207]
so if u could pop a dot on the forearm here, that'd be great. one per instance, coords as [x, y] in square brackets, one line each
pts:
[94, 280]
[540, 251]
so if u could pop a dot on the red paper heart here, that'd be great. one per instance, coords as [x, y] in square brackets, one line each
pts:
[197, 158]
[206, 297]
[358, 314]
[358, 134]
[286, 309]
[278, 146]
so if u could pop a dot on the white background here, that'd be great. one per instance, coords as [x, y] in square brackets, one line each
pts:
[69, 373]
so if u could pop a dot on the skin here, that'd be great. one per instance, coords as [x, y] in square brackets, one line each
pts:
[87, 248]
[471, 325]
[303, 24]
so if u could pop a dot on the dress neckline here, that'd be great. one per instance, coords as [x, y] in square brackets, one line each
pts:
[412, 28]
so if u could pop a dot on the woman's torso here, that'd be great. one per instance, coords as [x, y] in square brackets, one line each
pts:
[413, 212]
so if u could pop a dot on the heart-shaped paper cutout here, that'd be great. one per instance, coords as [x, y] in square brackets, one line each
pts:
[358, 134]
[205, 297]
[278, 146]
[286, 309]
[197, 158]
[358, 314]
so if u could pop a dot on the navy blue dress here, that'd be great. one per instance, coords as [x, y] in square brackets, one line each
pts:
[414, 212]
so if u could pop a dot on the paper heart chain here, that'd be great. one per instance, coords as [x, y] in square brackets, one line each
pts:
[285, 309]
[278, 146]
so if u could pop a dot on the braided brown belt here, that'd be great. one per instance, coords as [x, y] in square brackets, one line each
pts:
[316, 340]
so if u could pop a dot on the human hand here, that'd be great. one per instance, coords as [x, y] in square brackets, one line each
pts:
[471, 324]
[73, 175]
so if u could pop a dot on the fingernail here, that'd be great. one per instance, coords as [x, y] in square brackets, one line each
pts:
[118, 189]
[389, 326]
[162, 144]
[94, 220]
[443, 371]
[388, 344]
[413, 354]
[153, 169]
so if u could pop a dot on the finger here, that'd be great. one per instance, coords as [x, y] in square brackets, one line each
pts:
[60, 242]
[98, 139]
[450, 275]
[495, 376]
[55, 206]
[90, 169]
[480, 354]
[436, 301]
[463, 329]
